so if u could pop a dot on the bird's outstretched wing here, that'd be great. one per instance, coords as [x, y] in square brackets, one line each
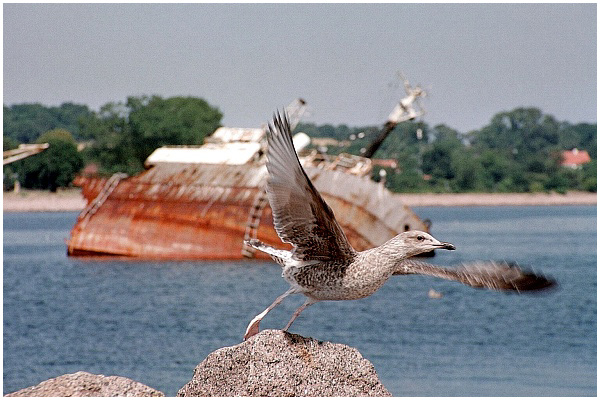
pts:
[300, 215]
[482, 274]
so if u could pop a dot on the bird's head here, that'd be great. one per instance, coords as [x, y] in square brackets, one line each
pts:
[412, 243]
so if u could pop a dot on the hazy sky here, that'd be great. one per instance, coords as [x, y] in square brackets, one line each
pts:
[474, 60]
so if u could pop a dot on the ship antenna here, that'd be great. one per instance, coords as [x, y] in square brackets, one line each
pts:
[405, 110]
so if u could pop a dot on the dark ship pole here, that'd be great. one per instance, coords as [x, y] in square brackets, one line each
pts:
[404, 111]
[375, 144]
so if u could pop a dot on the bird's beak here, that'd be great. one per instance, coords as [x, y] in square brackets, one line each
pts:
[447, 246]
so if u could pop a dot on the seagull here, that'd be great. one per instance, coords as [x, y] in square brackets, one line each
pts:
[322, 265]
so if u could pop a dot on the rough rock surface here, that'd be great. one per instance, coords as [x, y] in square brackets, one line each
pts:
[84, 384]
[277, 363]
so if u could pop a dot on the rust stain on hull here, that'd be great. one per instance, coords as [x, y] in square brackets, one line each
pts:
[183, 211]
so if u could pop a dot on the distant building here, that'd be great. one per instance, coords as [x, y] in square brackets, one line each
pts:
[90, 169]
[330, 142]
[385, 163]
[83, 145]
[575, 158]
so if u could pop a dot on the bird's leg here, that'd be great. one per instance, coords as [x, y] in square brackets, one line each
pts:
[252, 328]
[307, 303]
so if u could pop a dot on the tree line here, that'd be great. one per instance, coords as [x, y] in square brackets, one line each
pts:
[518, 151]
[117, 138]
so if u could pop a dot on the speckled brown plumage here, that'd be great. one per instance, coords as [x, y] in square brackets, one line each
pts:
[322, 264]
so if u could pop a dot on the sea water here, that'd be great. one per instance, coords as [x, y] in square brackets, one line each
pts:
[155, 321]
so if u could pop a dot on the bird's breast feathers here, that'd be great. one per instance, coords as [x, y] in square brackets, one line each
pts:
[336, 281]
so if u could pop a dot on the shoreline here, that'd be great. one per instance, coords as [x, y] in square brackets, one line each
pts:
[498, 199]
[73, 200]
[43, 201]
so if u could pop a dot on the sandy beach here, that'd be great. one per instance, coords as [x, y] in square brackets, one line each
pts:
[72, 200]
[499, 199]
[40, 200]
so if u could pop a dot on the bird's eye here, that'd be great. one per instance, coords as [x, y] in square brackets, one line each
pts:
[420, 238]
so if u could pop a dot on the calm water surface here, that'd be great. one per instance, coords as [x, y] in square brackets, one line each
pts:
[155, 321]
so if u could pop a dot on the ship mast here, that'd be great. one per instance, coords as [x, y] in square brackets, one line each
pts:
[404, 111]
[295, 111]
[23, 151]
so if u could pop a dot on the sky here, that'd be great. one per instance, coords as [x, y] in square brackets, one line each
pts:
[474, 60]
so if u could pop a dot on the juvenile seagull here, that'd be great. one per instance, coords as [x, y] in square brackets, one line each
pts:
[322, 264]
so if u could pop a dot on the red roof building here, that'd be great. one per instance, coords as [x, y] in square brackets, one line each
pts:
[386, 163]
[575, 158]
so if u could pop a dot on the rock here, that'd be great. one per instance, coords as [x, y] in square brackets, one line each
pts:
[84, 384]
[277, 363]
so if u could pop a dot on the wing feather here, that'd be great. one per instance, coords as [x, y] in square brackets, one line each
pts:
[482, 274]
[300, 215]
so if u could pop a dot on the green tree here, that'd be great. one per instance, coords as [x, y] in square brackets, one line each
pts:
[588, 181]
[56, 166]
[409, 179]
[112, 145]
[467, 170]
[125, 134]
[402, 141]
[340, 132]
[9, 172]
[496, 168]
[26, 122]
[441, 157]
[9, 143]
[437, 161]
[581, 136]
[155, 122]
[522, 134]
[518, 151]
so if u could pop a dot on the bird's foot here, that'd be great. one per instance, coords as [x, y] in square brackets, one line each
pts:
[252, 328]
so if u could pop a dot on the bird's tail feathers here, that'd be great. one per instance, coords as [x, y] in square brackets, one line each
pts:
[280, 256]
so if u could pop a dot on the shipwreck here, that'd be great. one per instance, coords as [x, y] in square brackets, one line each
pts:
[201, 202]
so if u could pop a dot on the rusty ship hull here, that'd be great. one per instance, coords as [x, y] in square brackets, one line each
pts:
[202, 202]
[182, 211]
